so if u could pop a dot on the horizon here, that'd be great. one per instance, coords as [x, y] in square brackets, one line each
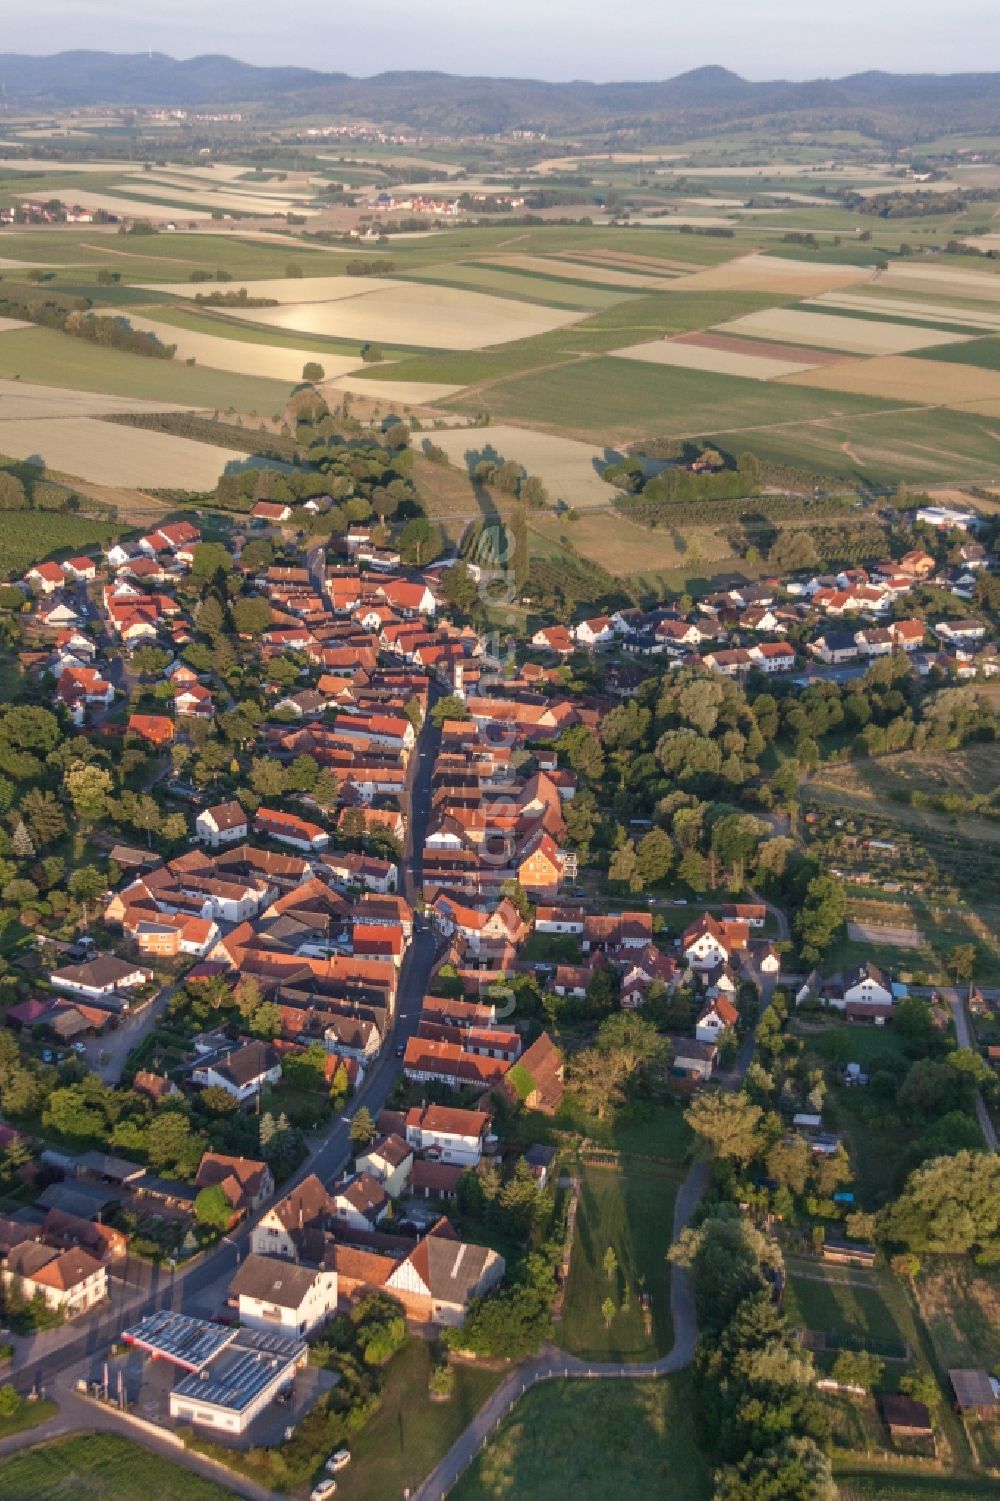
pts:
[563, 41]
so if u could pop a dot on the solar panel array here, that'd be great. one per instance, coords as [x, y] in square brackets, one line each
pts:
[177, 1337]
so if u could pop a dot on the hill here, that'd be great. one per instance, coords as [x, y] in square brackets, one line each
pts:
[889, 106]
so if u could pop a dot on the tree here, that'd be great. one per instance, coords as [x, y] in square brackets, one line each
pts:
[654, 856]
[313, 371]
[797, 1470]
[210, 558]
[268, 778]
[266, 1021]
[252, 616]
[608, 1312]
[419, 541]
[89, 788]
[950, 1206]
[12, 496]
[858, 1368]
[624, 867]
[459, 588]
[449, 707]
[362, 1131]
[20, 843]
[213, 1209]
[961, 962]
[823, 911]
[610, 1264]
[217, 1101]
[86, 884]
[727, 1122]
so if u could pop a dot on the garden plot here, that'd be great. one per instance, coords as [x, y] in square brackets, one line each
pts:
[109, 454]
[852, 335]
[896, 938]
[243, 357]
[281, 289]
[896, 378]
[424, 317]
[720, 357]
[569, 470]
[772, 273]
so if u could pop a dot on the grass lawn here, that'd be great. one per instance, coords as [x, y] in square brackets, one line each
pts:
[99, 1467]
[839, 1306]
[904, 1484]
[590, 1440]
[29, 1416]
[29, 536]
[632, 1212]
[656, 1130]
[43, 356]
[960, 1305]
[409, 1434]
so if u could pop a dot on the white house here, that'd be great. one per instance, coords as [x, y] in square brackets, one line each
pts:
[389, 1161]
[225, 823]
[596, 632]
[773, 656]
[71, 1280]
[361, 1203]
[451, 1136]
[718, 1016]
[243, 1073]
[867, 985]
[101, 977]
[283, 1297]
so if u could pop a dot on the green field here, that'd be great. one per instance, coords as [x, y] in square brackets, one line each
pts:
[28, 537]
[99, 1467]
[167, 257]
[842, 1306]
[409, 1434]
[42, 356]
[524, 287]
[591, 1440]
[617, 401]
[985, 353]
[632, 1212]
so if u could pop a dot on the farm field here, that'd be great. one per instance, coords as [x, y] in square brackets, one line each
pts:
[46, 357]
[869, 785]
[421, 316]
[591, 1440]
[524, 286]
[110, 454]
[22, 400]
[902, 305]
[918, 381]
[282, 289]
[632, 1212]
[243, 356]
[99, 1467]
[569, 470]
[697, 352]
[774, 274]
[396, 392]
[617, 401]
[569, 270]
[827, 330]
[36, 535]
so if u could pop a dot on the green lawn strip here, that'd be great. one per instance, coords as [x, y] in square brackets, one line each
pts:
[409, 1433]
[522, 286]
[99, 1467]
[631, 1212]
[46, 357]
[30, 1415]
[877, 315]
[590, 1440]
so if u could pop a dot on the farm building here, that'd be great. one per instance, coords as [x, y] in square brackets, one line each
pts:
[974, 1391]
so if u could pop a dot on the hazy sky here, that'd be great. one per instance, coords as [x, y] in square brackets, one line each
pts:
[556, 39]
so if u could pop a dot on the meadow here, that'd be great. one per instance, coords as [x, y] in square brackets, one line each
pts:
[632, 1213]
[591, 1440]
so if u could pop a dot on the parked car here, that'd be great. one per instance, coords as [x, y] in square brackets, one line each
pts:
[323, 1490]
[339, 1461]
